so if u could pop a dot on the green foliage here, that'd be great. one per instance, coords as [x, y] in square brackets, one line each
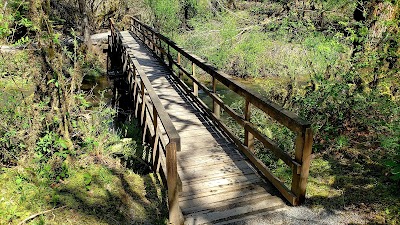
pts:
[391, 144]
[5, 29]
[273, 130]
[50, 144]
[165, 13]
[13, 124]
[16, 114]
[14, 20]
[87, 179]
[340, 74]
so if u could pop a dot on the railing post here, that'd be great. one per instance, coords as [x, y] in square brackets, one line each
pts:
[248, 137]
[125, 63]
[161, 52]
[143, 109]
[151, 41]
[156, 150]
[169, 56]
[134, 93]
[175, 216]
[195, 86]
[109, 55]
[154, 41]
[216, 106]
[303, 154]
[130, 84]
[179, 63]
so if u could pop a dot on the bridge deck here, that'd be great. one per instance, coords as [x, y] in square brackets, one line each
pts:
[219, 186]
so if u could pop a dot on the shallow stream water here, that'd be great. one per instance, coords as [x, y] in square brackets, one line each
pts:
[99, 88]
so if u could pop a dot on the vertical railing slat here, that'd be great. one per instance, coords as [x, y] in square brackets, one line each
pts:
[248, 137]
[216, 106]
[195, 86]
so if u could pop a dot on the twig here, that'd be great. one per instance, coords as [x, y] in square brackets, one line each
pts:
[4, 7]
[40, 213]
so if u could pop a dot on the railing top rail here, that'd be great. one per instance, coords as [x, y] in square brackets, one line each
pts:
[169, 127]
[285, 117]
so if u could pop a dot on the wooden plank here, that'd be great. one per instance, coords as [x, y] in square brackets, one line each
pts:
[204, 177]
[192, 146]
[206, 161]
[207, 164]
[219, 151]
[215, 184]
[239, 201]
[202, 174]
[201, 132]
[186, 162]
[212, 169]
[204, 141]
[204, 150]
[192, 119]
[194, 207]
[219, 183]
[219, 216]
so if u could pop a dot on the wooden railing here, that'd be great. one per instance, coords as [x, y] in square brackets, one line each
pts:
[162, 47]
[151, 114]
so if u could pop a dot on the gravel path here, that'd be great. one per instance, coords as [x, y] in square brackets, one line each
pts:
[302, 215]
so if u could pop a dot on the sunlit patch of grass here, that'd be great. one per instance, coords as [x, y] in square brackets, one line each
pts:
[21, 194]
[321, 179]
[93, 194]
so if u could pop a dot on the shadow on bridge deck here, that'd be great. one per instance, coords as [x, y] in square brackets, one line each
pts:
[219, 185]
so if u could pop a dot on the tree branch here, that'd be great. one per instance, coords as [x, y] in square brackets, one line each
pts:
[40, 213]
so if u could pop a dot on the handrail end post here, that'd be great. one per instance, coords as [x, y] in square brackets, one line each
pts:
[303, 155]
[175, 214]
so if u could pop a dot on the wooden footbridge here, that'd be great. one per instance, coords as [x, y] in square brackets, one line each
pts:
[213, 176]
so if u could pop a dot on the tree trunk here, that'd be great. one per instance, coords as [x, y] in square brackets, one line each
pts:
[85, 24]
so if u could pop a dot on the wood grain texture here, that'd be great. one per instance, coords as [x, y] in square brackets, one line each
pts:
[218, 183]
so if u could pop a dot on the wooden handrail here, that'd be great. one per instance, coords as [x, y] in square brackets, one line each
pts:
[285, 117]
[139, 82]
[303, 144]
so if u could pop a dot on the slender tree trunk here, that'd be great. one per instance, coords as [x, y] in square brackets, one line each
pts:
[85, 24]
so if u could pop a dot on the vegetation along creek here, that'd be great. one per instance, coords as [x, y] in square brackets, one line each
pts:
[68, 155]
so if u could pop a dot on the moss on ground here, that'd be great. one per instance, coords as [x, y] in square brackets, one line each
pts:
[102, 193]
[88, 185]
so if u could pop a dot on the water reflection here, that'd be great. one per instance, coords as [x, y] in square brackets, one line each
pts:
[97, 86]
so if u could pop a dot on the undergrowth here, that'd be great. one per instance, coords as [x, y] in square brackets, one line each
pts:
[335, 63]
[84, 184]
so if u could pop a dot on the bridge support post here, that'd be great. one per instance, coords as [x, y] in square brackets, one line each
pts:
[195, 86]
[248, 137]
[169, 58]
[156, 150]
[175, 216]
[179, 63]
[303, 154]
[216, 106]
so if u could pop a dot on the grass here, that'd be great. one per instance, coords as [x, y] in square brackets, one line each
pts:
[307, 71]
[113, 194]
[244, 48]
[50, 184]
